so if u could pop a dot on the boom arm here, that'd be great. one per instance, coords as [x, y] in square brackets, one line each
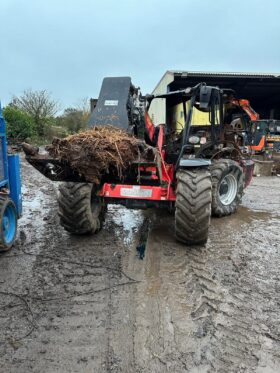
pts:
[245, 106]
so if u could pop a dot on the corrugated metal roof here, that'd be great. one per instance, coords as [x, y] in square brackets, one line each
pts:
[226, 74]
[217, 74]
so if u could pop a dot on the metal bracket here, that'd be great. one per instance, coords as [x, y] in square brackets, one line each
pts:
[196, 162]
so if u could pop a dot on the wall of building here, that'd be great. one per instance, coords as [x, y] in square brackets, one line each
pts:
[157, 108]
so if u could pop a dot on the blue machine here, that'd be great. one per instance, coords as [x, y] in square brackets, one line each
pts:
[10, 191]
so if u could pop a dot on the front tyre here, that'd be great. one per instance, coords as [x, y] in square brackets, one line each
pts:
[80, 211]
[193, 206]
[8, 221]
[227, 186]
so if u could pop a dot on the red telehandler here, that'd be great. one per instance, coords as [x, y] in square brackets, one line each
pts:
[201, 171]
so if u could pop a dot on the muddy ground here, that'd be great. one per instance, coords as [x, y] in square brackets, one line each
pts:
[89, 304]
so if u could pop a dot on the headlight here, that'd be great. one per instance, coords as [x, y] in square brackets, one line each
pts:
[194, 140]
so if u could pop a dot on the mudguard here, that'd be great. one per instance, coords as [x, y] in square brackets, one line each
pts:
[248, 169]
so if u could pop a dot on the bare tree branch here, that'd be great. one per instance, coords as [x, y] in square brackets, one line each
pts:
[39, 105]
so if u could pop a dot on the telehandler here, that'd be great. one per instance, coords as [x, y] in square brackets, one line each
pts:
[201, 170]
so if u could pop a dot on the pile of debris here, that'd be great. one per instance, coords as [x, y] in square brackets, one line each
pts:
[97, 151]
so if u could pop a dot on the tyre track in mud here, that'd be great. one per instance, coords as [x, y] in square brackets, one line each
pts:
[231, 297]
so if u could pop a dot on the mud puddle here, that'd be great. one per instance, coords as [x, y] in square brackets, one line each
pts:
[126, 222]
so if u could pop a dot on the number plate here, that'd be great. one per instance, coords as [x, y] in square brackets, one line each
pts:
[136, 192]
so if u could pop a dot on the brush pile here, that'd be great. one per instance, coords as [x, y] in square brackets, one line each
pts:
[97, 151]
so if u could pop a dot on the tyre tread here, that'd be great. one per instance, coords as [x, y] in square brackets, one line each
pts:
[76, 216]
[193, 206]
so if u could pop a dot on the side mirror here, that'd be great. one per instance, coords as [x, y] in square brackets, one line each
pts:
[205, 97]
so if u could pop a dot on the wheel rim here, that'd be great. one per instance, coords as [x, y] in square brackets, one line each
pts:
[9, 224]
[228, 189]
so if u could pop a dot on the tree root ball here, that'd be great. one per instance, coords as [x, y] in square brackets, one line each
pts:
[97, 151]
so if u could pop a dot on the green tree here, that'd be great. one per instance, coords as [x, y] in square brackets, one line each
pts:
[39, 105]
[19, 124]
[73, 120]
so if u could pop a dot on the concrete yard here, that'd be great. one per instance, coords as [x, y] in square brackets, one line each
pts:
[89, 304]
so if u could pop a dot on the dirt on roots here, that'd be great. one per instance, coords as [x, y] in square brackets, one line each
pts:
[97, 151]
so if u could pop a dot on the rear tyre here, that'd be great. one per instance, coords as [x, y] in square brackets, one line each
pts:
[8, 223]
[227, 186]
[193, 206]
[79, 211]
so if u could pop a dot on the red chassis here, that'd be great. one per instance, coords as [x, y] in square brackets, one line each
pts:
[145, 192]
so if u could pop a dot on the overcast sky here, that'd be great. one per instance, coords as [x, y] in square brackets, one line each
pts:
[68, 46]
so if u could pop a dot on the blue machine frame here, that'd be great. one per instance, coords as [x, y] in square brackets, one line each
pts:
[9, 169]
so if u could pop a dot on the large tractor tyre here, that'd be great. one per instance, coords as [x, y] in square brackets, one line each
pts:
[79, 211]
[193, 206]
[227, 186]
[8, 223]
